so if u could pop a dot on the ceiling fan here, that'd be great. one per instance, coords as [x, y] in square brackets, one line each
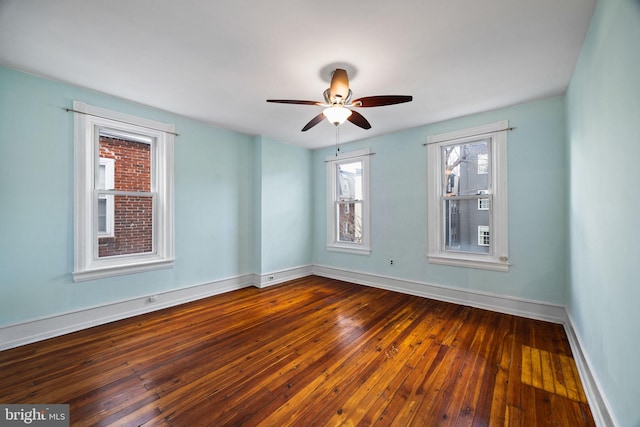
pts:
[339, 106]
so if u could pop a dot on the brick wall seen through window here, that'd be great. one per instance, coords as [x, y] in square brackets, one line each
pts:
[133, 214]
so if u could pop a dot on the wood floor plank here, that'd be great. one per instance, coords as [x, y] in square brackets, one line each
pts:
[293, 358]
[494, 383]
[344, 371]
[462, 403]
[513, 417]
[558, 376]
[406, 349]
[432, 410]
[414, 387]
[313, 351]
[394, 396]
[498, 412]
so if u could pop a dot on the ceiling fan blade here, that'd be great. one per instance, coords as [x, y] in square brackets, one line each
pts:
[359, 120]
[339, 85]
[380, 100]
[317, 119]
[293, 101]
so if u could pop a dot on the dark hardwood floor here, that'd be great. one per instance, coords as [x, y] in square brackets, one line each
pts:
[313, 351]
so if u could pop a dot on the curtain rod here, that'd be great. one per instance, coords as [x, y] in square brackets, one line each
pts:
[348, 157]
[71, 110]
[467, 136]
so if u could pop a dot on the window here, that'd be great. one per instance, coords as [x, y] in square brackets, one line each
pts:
[483, 235]
[348, 202]
[467, 198]
[483, 163]
[123, 193]
[105, 202]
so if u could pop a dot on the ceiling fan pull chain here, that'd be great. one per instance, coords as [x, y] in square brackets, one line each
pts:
[337, 140]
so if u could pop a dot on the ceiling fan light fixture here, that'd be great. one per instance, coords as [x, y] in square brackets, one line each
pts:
[337, 114]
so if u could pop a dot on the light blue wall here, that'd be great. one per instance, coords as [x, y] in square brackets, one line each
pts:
[214, 203]
[603, 109]
[285, 212]
[537, 206]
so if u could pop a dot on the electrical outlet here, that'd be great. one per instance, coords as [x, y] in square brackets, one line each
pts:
[270, 277]
[152, 298]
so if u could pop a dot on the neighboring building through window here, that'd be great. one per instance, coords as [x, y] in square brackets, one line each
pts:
[467, 198]
[348, 202]
[124, 200]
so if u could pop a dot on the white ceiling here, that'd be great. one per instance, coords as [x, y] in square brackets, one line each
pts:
[218, 61]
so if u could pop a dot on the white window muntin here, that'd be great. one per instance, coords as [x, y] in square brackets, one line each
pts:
[497, 258]
[89, 121]
[334, 203]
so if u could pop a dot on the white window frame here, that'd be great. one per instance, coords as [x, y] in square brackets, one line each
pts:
[89, 120]
[363, 248]
[498, 257]
[483, 204]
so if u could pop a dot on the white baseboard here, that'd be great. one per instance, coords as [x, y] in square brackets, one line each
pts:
[602, 414]
[44, 328]
[275, 277]
[500, 303]
[40, 329]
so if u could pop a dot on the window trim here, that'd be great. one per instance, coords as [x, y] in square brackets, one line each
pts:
[333, 244]
[497, 259]
[87, 266]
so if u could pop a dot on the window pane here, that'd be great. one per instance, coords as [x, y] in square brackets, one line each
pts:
[466, 168]
[102, 215]
[133, 227]
[132, 162]
[461, 221]
[483, 204]
[349, 222]
[350, 181]
[102, 177]
[483, 163]
[483, 235]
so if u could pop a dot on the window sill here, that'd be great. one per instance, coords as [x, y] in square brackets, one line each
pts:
[349, 249]
[483, 263]
[119, 270]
